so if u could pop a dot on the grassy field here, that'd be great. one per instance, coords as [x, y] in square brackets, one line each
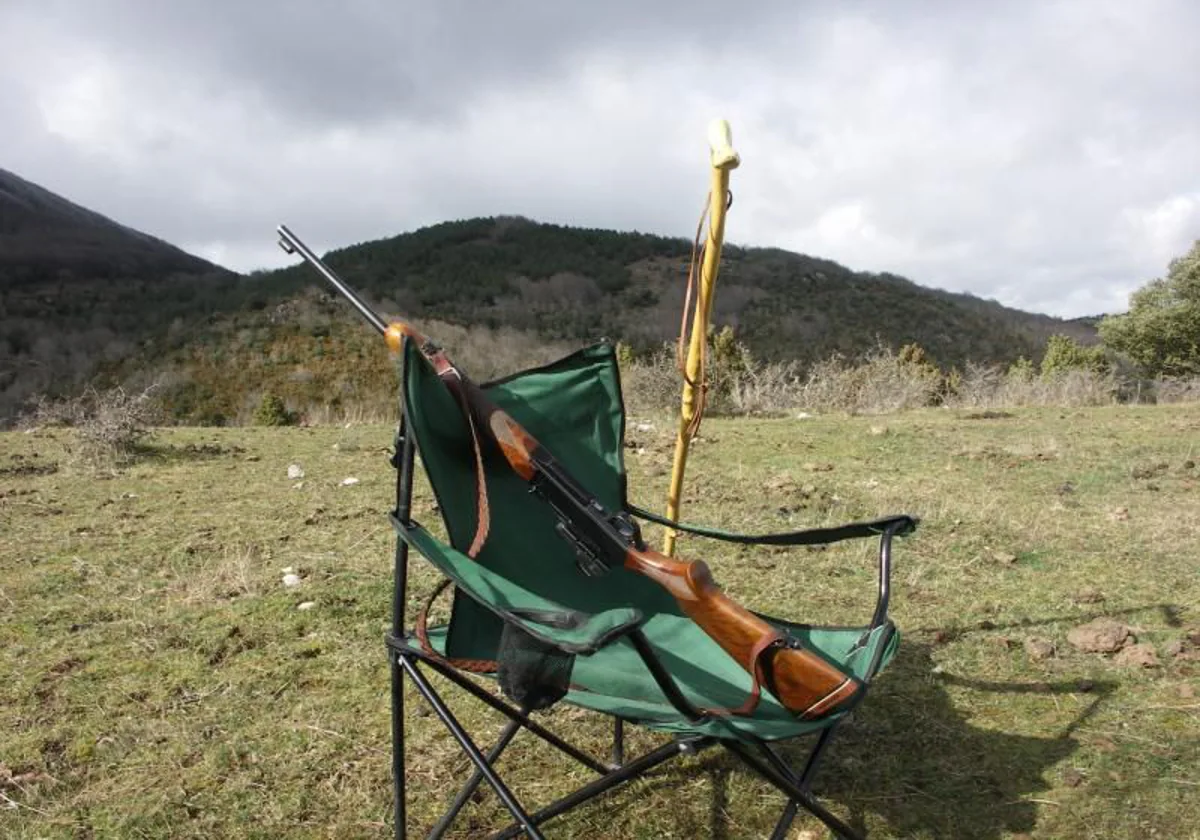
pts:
[159, 680]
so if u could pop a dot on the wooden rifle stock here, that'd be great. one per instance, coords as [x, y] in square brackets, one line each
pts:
[804, 683]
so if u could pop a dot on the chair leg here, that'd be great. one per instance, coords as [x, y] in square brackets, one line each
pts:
[472, 751]
[628, 771]
[512, 713]
[510, 730]
[785, 820]
[788, 785]
[804, 781]
[402, 460]
[398, 789]
[618, 750]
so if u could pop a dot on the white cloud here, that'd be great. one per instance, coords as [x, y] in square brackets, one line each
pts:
[1043, 154]
[1167, 228]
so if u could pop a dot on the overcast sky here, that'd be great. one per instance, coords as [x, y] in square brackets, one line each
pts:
[1045, 154]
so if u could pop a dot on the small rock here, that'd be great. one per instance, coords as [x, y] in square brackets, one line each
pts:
[879, 430]
[299, 485]
[1120, 514]
[1005, 557]
[349, 482]
[1189, 464]
[288, 570]
[295, 471]
[643, 427]
[1065, 488]
[291, 581]
[1137, 656]
[1173, 648]
[1085, 686]
[306, 605]
[252, 458]
[1088, 595]
[1002, 642]
[1038, 648]
[818, 467]
[129, 495]
[1150, 470]
[1102, 635]
[1192, 634]
[803, 415]
[1072, 777]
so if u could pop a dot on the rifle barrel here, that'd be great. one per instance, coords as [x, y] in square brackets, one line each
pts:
[291, 243]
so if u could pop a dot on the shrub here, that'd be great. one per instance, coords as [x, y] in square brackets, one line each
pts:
[272, 411]
[1065, 354]
[110, 426]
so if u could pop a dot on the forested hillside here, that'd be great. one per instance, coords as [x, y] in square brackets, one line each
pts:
[77, 289]
[574, 284]
[81, 294]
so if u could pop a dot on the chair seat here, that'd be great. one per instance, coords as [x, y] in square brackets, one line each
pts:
[615, 680]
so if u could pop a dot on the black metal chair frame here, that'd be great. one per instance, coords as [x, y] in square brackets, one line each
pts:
[408, 661]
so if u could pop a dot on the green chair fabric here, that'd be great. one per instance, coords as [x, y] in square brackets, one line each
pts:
[574, 408]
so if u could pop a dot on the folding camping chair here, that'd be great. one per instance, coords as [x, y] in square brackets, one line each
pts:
[617, 644]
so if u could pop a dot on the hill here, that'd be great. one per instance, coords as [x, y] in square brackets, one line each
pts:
[575, 284]
[43, 236]
[82, 294]
[77, 288]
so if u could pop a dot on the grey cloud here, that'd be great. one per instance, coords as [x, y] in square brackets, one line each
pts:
[1041, 153]
[365, 60]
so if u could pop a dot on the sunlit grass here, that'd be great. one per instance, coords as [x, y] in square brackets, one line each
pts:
[161, 681]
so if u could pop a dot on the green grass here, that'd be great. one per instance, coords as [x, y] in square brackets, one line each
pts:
[160, 681]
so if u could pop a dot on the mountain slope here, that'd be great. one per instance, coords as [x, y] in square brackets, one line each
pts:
[82, 294]
[43, 234]
[77, 288]
[577, 284]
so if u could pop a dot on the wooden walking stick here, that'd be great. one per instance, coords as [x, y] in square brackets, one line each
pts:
[723, 160]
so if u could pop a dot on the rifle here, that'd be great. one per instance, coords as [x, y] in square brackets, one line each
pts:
[805, 683]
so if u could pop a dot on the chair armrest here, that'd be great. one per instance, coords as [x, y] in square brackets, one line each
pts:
[895, 525]
[569, 630]
[574, 631]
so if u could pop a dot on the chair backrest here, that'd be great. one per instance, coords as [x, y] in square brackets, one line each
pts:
[574, 408]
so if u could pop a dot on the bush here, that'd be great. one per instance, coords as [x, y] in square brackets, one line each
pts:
[110, 427]
[1064, 354]
[1161, 330]
[272, 411]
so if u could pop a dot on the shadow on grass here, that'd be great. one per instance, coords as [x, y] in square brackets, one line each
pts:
[173, 454]
[914, 760]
